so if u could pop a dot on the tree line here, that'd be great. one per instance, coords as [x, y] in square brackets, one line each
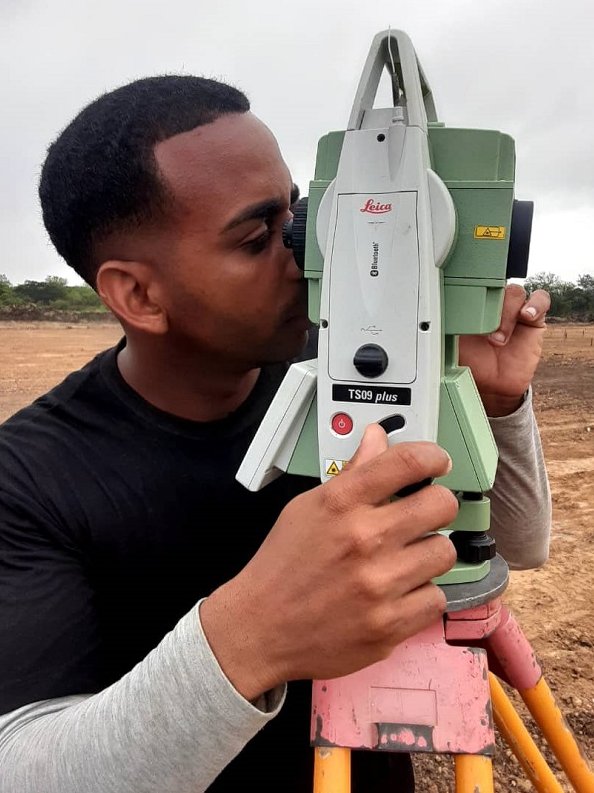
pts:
[53, 293]
[572, 301]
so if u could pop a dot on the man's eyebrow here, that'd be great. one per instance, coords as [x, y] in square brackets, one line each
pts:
[261, 210]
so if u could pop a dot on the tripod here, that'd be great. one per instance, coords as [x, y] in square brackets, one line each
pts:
[435, 694]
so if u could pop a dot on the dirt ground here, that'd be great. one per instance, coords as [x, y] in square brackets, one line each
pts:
[554, 605]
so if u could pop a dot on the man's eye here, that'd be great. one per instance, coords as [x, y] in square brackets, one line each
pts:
[258, 244]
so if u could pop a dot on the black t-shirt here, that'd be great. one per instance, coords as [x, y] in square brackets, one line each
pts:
[115, 518]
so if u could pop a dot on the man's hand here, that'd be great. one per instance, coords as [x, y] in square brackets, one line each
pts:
[503, 363]
[343, 576]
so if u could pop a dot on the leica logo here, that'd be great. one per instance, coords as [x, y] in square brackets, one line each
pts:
[375, 207]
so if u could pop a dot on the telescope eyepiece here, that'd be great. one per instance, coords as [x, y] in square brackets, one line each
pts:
[519, 239]
[293, 232]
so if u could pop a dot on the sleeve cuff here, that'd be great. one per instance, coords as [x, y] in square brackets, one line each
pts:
[265, 708]
[518, 416]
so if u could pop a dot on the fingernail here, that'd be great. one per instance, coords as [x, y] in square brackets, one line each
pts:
[530, 310]
[450, 464]
[497, 336]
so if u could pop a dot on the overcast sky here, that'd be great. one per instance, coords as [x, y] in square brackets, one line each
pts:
[525, 67]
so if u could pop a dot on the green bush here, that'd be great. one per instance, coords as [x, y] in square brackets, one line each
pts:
[568, 300]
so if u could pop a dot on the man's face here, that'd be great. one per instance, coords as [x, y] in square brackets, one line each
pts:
[233, 291]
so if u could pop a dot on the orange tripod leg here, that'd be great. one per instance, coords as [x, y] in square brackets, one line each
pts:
[474, 773]
[516, 663]
[541, 703]
[517, 737]
[332, 770]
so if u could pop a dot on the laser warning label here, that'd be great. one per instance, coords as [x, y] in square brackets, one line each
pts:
[334, 467]
[489, 232]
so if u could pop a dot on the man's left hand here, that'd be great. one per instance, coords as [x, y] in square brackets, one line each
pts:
[504, 362]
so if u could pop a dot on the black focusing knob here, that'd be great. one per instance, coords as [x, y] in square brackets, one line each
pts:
[294, 232]
[371, 360]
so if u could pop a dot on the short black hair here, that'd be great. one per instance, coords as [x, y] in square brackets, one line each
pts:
[100, 175]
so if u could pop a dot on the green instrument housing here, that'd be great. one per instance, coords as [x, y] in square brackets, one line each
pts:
[478, 168]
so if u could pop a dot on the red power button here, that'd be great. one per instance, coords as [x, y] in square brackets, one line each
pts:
[342, 424]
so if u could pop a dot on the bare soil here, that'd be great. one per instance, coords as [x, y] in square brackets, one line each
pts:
[554, 605]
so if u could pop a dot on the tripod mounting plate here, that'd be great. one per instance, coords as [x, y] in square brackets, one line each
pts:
[476, 593]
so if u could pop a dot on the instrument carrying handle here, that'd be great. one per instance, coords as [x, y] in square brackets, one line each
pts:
[393, 50]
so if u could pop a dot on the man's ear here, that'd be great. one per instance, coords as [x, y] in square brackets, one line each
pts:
[131, 292]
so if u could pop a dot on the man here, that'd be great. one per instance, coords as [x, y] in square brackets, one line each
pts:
[151, 609]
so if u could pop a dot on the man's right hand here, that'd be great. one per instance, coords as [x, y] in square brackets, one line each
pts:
[343, 576]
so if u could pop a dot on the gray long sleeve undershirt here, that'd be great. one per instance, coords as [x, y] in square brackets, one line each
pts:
[521, 509]
[168, 726]
[174, 722]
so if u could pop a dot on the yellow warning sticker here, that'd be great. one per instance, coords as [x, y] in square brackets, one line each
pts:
[489, 232]
[333, 467]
